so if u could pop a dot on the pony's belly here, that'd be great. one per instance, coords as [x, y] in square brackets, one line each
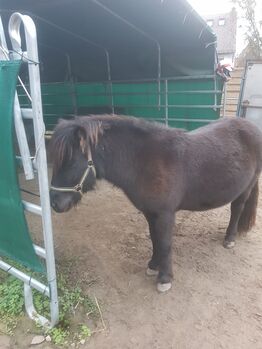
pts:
[204, 206]
[210, 197]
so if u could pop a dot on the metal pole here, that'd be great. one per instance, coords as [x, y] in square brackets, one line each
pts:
[110, 82]
[215, 77]
[166, 102]
[142, 32]
[225, 99]
[215, 95]
[69, 71]
[25, 278]
[72, 85]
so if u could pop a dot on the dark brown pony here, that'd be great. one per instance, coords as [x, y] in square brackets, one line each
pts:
[161, 170]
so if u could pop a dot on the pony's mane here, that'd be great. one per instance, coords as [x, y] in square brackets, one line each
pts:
[122, 121]
[61, 146]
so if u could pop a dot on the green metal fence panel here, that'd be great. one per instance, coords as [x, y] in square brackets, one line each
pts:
[186, 103]
[58, 101]
[98, 95]
[192, 101]
[15, 241]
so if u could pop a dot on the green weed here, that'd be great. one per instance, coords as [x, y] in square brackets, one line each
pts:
[73, 304]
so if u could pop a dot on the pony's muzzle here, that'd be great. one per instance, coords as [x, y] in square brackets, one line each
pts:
[61, 202]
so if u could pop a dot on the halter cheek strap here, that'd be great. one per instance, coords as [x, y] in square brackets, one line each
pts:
[78, 188]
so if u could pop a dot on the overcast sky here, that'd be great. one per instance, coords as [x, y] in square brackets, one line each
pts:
[205, 7]
[211, 7]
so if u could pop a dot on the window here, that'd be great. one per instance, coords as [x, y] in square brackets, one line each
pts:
[210, 22]
[221, 21]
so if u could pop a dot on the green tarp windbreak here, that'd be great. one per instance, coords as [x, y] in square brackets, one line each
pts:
[15, 241]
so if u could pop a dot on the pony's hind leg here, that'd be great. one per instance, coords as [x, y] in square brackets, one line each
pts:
[237, 209]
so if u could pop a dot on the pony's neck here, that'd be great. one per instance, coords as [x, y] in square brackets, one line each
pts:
[116, 156]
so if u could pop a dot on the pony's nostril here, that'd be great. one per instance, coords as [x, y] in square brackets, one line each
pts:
[53, 204]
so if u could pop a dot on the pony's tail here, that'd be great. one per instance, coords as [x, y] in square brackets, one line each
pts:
[248, 215]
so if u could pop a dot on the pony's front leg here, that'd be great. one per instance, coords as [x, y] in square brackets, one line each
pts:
[153, 264]
[162, 226]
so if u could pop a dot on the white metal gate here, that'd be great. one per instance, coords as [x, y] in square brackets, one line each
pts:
[32, 165]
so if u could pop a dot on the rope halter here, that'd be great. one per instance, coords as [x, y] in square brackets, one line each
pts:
[78, 188]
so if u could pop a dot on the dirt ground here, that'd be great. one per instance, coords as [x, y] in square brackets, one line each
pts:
[216, 298]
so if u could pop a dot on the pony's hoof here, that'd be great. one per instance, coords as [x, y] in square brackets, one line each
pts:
[163, 287]
[229, 244]
[151, 272]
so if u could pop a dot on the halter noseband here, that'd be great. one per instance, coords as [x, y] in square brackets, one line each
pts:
[78, 187]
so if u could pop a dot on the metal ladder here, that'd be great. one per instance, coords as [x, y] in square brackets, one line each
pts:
[31, 165]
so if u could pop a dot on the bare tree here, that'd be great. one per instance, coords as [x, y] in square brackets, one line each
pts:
[253, 26]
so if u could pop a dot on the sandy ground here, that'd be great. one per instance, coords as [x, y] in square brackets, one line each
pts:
[216, 298]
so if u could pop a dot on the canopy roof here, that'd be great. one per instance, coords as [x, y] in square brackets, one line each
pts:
[130, 32]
